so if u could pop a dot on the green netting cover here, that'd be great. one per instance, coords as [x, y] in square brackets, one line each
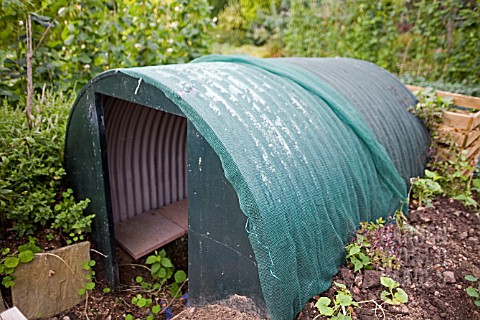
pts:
[311, 146]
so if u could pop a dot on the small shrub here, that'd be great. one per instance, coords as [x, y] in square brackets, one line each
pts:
[31, 171]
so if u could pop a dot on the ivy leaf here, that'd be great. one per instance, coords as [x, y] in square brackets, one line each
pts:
[180, 276]
[156, 309]
[11, 262]
[25, 256]
[90, 285]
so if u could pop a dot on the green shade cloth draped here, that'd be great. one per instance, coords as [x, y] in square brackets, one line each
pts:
[307, 159]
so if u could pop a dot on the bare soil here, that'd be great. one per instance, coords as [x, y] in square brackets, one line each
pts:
[435, 258]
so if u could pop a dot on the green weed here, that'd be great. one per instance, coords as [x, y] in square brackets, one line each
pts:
[473, 292]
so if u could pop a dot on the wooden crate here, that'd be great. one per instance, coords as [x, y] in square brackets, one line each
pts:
[461, 126]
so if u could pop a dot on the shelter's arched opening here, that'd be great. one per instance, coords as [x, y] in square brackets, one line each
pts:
[147, 167]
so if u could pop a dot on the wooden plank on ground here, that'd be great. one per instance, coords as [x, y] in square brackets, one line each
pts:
[458, 99]
[153, 229]
[177, 212]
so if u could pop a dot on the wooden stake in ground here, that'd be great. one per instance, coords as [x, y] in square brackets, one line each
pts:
[28, 109]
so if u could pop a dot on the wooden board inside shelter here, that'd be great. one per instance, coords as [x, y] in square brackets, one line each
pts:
[153, 229]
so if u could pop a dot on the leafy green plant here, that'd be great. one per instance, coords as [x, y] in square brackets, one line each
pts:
[162, 270]
[473, 292]
[161, 266]
[142, 302]
[430, 39]
[9, 261]
[357, 254]
[372, 247]
[341, 308]
[89, 276]
[175, 288]
[427, 188]
[393, 295]
[70, 219]
[447, 177]
[31, 170]
[75, 40]
[430, 109]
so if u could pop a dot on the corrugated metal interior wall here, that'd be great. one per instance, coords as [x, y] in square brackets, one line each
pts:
[147, 157]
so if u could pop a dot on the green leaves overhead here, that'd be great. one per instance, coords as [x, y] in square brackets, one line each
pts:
[84, 38]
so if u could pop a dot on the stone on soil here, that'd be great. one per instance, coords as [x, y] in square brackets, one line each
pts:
[47, 286]
[449, 277]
